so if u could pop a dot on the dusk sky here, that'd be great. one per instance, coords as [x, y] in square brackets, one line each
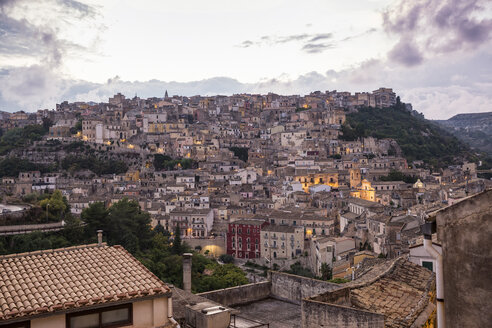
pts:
[435, 54]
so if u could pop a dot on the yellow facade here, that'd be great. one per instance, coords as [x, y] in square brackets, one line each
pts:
[355, 177]
[307, 181]
[365, 191]
[132, 175]
[157, 128]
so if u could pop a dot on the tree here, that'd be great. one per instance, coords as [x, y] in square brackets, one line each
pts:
[128, 226]
[11, 166]
[326, 272]
[95, 217]
[159, 229]
[47, 123]
[395, 175]
[299, 270]
[77, 127]
[240, 152]
[226, 258]
[56, 206]
[177, 247]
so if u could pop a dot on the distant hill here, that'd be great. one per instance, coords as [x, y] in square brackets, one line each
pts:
[474, 129]
[419, 139]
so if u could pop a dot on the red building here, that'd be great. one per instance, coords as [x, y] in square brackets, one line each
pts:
[243, 238]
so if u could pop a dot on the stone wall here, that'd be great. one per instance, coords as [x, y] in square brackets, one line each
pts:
[465, 231]
[316, 314]
[292, 288]
[239, 295]
[338, 297]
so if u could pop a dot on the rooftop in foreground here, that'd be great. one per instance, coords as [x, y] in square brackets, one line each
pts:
[278, 314]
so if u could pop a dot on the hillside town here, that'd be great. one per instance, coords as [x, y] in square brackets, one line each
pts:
[269, 180]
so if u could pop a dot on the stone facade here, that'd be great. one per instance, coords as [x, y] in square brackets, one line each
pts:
[465, 230]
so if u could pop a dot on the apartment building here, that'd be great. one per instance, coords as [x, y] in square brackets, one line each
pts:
[282, 241]
[243, 238]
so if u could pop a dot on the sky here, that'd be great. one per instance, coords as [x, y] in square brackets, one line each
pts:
[435, 54]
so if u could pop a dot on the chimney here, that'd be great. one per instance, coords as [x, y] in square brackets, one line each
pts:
[187, 271]
[99, 237]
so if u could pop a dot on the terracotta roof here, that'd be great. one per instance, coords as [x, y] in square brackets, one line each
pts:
[400, 295]
[398, 289]
[75, 277]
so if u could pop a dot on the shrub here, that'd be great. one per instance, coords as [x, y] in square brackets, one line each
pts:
[226, 258]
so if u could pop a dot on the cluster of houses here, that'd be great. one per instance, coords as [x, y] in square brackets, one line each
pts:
[271, 175]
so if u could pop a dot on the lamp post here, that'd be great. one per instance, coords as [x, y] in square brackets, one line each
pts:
[47, 206]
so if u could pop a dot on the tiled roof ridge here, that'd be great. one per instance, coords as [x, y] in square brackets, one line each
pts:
[52, 250]
[140, 264]
[370, 281]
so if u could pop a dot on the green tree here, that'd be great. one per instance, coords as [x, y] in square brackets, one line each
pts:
[159, 229]
[11, 166]
[177, 247]
[395, 175]
[128, 226]
[326, 271]
[240, 152]
[226, 258]
[56, 206]
[95, 218]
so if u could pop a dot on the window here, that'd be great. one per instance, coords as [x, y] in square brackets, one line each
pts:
[116, 316]
[25, 324]
[428, 265]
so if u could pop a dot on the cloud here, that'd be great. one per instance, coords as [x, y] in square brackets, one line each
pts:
[21, 37]
[445, 102]
[434, 90]
[26, 87]
[323, 36]
[313, 48]
[355, 36]
[78, 8]
[246, 44]
[308, 40]
[427, 28]
[37, 43]
[406, 52]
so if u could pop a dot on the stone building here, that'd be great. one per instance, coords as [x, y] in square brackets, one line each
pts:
[282, 241]
[464, 230]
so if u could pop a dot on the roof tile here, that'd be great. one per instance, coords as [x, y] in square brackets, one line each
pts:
[52, 280]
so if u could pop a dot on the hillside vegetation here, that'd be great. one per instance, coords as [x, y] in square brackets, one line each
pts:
[418, 138]
[475, 129]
